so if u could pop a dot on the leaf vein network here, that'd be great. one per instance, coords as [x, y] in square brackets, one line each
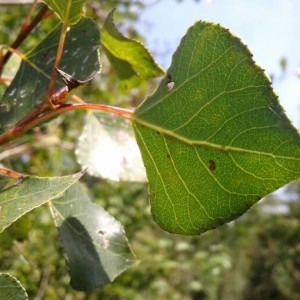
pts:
[141, 110]
[186, 187]
[248, 172]
[203, 143]
[208, 103]
[214, 177]
[251, 129]
[161, 179]
[228, 120]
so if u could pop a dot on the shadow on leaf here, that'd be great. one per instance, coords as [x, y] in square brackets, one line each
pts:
[85, 268]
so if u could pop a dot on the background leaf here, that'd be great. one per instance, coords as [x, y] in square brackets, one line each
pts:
[218, 141]
[11, 288]
[130, 59]
[69, 11]
[95, 243]
[80, 59]
[107, 148]
[15, 201]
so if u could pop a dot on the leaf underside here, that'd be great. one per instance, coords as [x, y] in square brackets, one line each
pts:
[11, 288]
[95, 243]
[213, 136]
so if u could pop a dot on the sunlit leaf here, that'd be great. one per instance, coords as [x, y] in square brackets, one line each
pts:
[17, 200]
[217, 141]
[80, 59]
[69, 11]
[107, 148]
[131, 59]
[11, 67]
[95, 243]
[11, 288]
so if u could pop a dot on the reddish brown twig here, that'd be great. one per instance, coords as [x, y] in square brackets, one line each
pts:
[24, 32]
[59, 53]
[12, 174]
[22, 127]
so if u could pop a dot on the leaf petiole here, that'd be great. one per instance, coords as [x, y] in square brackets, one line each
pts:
[36, 119]
[12, 174]
[25, 31]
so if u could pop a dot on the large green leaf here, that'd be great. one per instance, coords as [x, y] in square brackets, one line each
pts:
[95, 243]
[69, 11]
[17, 200]
[131, 59]
[80, 59]
[213, 137]
[11, 288]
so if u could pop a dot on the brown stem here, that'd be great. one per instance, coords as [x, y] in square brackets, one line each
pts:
[57, 97]
[21, 127]
[25, 31]
[121, 112]
[29, 15]
[58, 57]
[12, 174]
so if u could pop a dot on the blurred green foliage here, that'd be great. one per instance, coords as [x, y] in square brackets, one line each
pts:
[255, 257]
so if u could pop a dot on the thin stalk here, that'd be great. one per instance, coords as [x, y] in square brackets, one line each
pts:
[29, 16]
[25, 31]
[10, 173]
[19, 129]
[25, 59]
[59, 53]
[121, 112]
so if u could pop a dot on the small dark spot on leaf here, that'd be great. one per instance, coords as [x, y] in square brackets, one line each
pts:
[168, 156]
[101, 232]
[212, 165]
[44, 56]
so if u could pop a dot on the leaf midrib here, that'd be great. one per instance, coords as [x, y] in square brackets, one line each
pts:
[206, 144]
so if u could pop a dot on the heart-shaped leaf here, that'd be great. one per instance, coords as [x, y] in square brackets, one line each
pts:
[17, 200]
[80, 59]
[11, 288]
[213, 137]
[95, 243]
[131, 59]
[69, 11]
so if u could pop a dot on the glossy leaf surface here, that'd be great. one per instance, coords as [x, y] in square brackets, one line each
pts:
[30, 84]
[130, 59]
[15, 201]
[95, 243]
[213, 137]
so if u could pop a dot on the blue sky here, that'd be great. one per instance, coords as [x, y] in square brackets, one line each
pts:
[270, 28]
